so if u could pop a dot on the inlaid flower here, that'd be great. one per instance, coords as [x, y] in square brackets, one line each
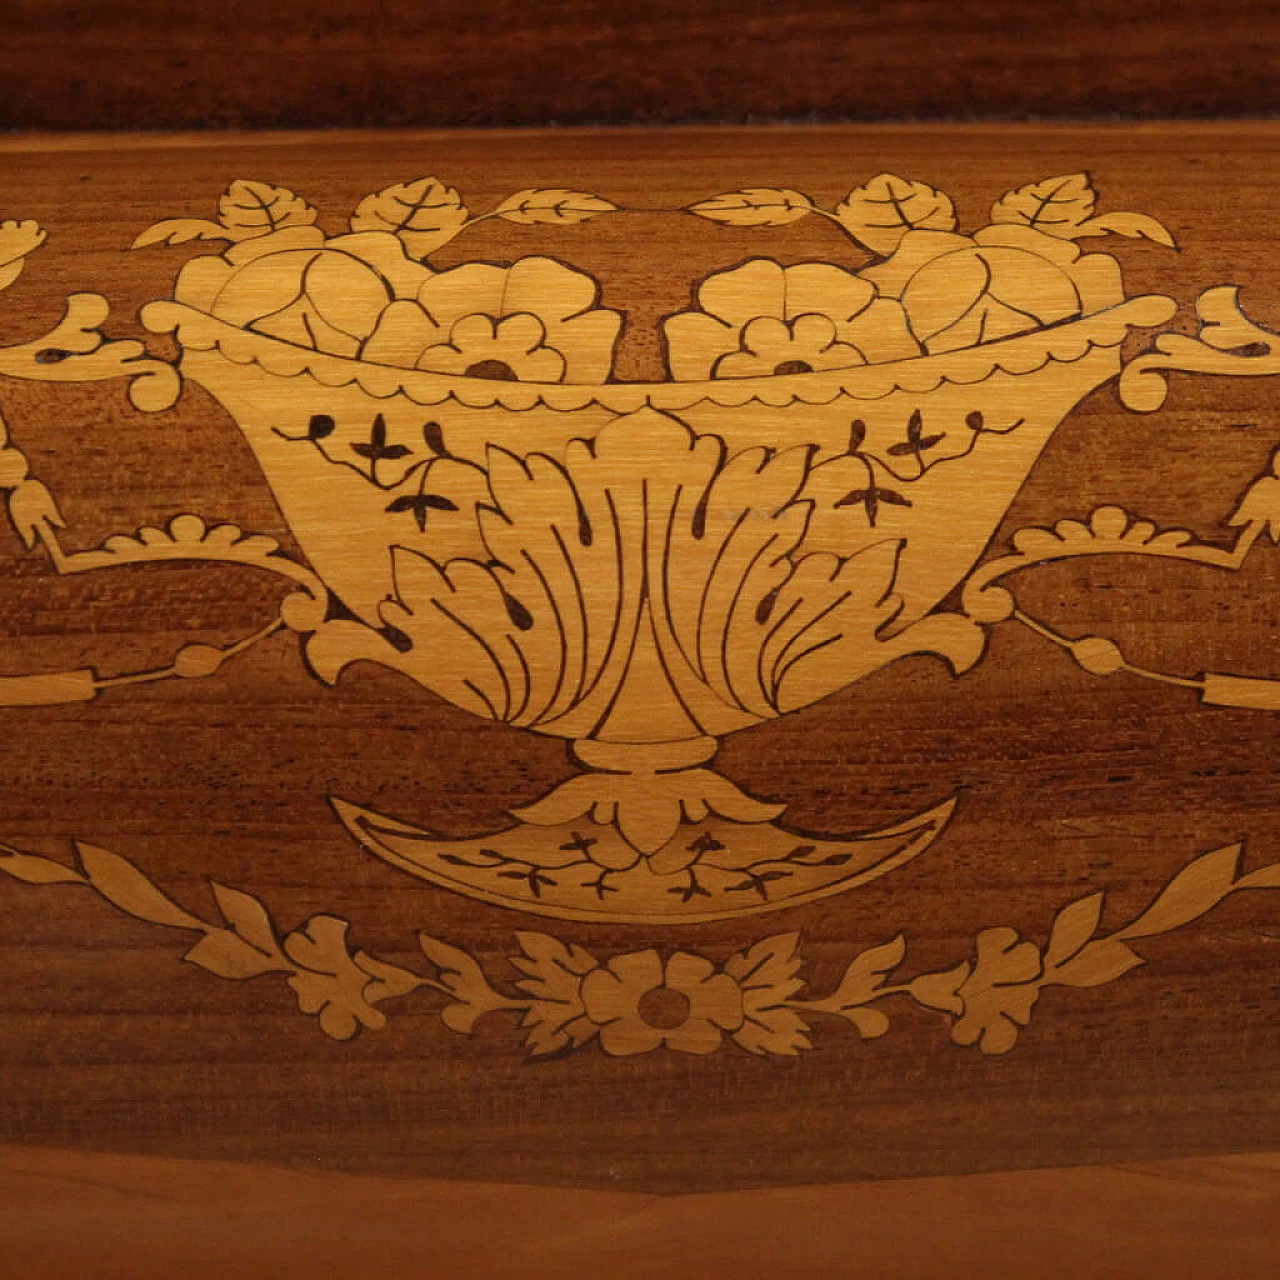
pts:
[641, 1003]
[268, 264]
[999, 992]
[959, 291]
[17, 239]
[513, 347]
[763, 318]
[536, 320]
[295, 285]
[770, 345]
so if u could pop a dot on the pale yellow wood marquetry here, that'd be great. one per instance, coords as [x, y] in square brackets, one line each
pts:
[642, 569]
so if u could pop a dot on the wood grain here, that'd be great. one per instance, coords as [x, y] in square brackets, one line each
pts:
[141, 65]
[1070, 784]
[130, 1218]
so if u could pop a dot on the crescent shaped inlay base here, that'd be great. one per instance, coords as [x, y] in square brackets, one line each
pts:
[709, 870]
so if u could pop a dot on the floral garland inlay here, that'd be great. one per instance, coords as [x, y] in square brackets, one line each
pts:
[565, 997]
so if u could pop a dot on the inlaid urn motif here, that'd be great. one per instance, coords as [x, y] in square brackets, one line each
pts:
[641, 569]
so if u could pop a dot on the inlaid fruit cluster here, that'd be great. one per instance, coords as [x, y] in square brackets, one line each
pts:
[370, 294]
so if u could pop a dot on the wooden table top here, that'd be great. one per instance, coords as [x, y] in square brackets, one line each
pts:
[896, 802]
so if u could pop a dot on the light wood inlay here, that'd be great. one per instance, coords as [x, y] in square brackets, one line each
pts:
[386, 464]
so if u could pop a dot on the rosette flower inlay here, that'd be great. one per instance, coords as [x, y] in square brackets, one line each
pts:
[641, 1003]
[536, 321]
[763, 318]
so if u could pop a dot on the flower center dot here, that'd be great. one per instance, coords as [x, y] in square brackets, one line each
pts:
[499, 369]
[663, 1008]
[793, 366]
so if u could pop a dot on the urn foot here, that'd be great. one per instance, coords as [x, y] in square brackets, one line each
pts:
[653, 847]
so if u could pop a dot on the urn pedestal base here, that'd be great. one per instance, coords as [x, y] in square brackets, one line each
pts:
[650, 835]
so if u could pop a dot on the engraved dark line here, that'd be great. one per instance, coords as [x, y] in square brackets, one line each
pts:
[641, 599]
[484, 697]
[812, 649]
[493, 658]
[738, 594]
[583, 616]
[646, 601]
[615, 638]
[934, 462]
[560, 627]
[666, 578]
[528, 677]
[804, 631]
[663, 660]
[351, 466]
[311, 333]
[881, 226]
[701, 667]
[765, 682]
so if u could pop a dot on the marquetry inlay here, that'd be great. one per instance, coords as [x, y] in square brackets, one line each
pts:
[643, 568]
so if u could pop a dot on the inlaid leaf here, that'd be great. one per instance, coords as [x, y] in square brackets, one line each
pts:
[516, 625]
[247, 917]
[332, 983]
[248, 209]
[463, 978]
[1197, 887]
[880, 212]
[773, 1031]
[869, 1023]
[755, 207]
[319, 945]
[830, 619]
[555, 205]
[736, 524]
[1073, 926]
[424, 214]
[555, 1017]
[33, 511]
[385, 980]
[941, 990]
[17, 239]
[770, 967]
[34, 869]
[866, 974]
[553, 969]
[1134, 225]
[1097, 963]
[122, 884]
[1057, 206]
[180, 231]
[1260, 503]
[222, 953]
[429, 599]
[547, 1031]
[1267, 877]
